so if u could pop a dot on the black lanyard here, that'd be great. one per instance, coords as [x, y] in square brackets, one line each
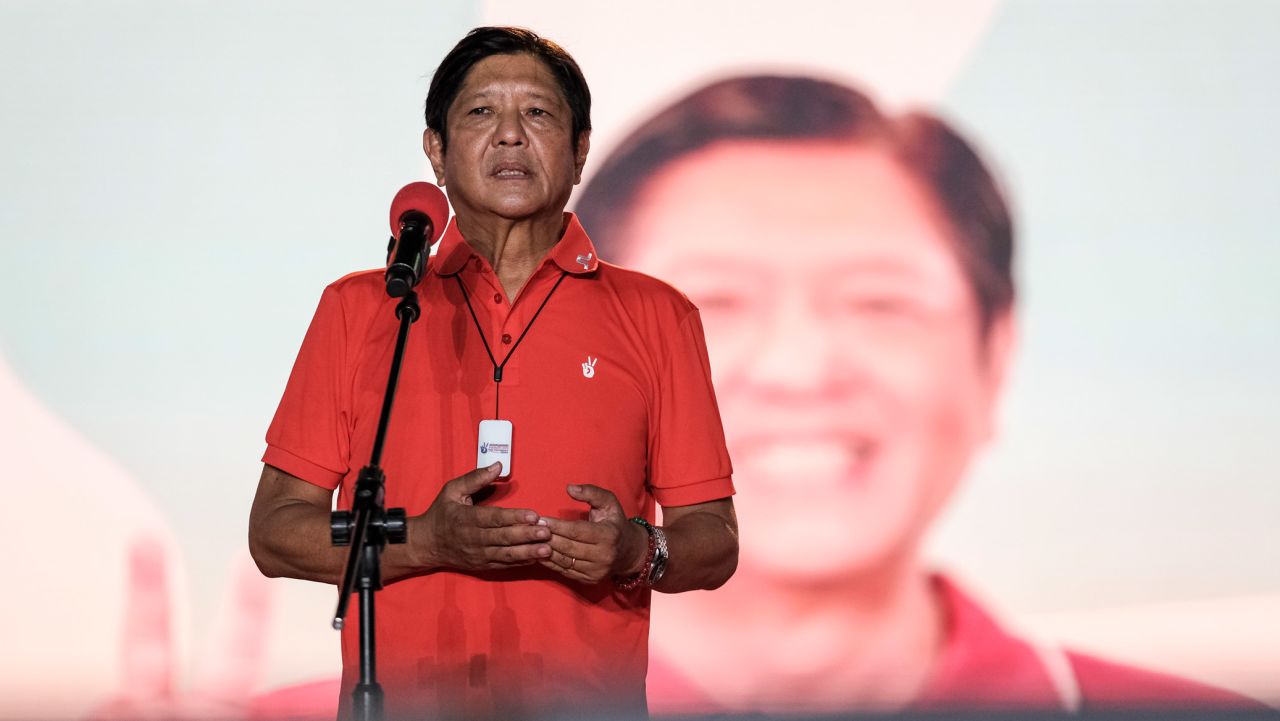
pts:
[497, 368]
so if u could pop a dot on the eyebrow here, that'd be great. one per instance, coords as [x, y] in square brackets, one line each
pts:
[887, 265]
[890, 266]
[711, 266]
[534, 95]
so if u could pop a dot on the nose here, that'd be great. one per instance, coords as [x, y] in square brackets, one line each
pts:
[510, 130]
[797, 356]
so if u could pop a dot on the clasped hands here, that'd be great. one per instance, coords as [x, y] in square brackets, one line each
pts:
[454, 533]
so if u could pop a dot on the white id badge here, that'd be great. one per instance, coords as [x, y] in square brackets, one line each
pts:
[495, 445]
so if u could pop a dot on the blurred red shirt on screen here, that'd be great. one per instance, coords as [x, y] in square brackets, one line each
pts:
[984, 666]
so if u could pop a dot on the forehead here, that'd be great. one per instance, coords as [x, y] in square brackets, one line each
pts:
[507, 75]
[810, 201]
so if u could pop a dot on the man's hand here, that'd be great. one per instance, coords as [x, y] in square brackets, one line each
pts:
[604, 545]
[289, 532]
[455, 533]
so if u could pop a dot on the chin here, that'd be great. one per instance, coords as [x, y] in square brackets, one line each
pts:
[517, 206]
[814, 553]
[516, 212]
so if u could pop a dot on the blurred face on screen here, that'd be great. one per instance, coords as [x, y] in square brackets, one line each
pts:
[844, 340]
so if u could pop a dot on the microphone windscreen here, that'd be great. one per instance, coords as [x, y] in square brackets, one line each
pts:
[426, 199]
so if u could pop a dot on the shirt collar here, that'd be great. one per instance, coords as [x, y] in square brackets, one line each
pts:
[573, 253]
[983, 664]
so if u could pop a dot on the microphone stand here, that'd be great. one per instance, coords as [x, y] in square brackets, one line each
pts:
[367, 528]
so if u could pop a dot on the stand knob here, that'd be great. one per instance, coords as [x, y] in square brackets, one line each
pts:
[395, 527]
[340, 528]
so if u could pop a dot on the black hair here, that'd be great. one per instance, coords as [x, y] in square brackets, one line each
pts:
[483, 42]
[763, 107]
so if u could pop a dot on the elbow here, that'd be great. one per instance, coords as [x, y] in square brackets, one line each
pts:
[724, 559]
[727, 567]
[725, 563]
[261, 553]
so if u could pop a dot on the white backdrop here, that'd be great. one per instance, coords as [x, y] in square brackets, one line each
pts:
[180, 180]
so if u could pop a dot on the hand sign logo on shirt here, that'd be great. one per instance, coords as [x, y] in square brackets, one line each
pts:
[589, 368]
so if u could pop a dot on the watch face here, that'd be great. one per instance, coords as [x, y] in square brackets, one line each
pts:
[659, 568]
[659, 565]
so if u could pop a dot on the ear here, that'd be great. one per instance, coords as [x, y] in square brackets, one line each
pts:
[580, 157]
[997, 355]
[433, 146]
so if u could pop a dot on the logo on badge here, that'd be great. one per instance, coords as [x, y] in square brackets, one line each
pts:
[484, 447]
[589, 368]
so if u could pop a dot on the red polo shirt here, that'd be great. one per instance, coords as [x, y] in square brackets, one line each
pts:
[983, 666]
[639, 418]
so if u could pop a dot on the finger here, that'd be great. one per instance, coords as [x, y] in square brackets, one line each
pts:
[240, 640]
[472, 481]
[597, 497]
[576, 530]
[574, 549]
[491, 517]
[566, 561]
[514, 535]
[147, 641]
[552, 565]
[569, 567]
[517, 555]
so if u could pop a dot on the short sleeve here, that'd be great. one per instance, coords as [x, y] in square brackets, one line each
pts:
[309, 436]
[689, 462]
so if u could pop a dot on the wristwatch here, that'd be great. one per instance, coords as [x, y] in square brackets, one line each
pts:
[657, 566]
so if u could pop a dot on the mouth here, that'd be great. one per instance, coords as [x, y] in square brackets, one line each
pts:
[511, 171]
[800, 464]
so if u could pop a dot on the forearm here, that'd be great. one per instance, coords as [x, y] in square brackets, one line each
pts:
[289, 532]
[293, 542]
[289, 537]
[702, 551]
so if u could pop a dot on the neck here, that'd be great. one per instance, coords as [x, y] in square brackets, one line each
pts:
[514, 248]
[868, 644]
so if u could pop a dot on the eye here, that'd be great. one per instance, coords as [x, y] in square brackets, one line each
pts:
[718, 301]
[880, 305]
[538, 112]
[482, 110]
[887, 310]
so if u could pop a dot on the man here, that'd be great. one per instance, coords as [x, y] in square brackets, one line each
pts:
[526, 593]
[854, 274]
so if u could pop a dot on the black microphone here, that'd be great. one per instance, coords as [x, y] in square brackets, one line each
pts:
[419, 213]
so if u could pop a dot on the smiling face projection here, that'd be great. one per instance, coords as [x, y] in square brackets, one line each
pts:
[845, 340]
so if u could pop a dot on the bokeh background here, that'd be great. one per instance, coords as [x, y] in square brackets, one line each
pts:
[179, 180]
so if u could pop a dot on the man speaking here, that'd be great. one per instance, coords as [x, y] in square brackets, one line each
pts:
[524, 586]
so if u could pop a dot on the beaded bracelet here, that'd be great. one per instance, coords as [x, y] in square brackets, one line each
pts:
[629, 584]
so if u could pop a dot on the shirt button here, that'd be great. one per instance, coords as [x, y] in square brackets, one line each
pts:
[497, 297]
[506, 338]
